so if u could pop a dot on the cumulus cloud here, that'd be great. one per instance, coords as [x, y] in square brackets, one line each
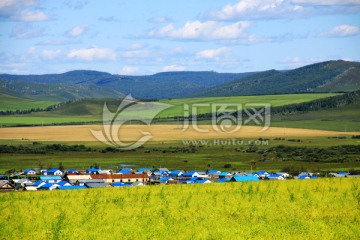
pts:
[198, 30]
[77, 31]
[128, 70]
[21, 10]
[212, 53]
[341, 31]
[136, 50]
[173, 68]
[282, 9]
[50, 54]
[93, 53]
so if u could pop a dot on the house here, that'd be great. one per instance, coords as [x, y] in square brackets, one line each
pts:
[125, 171]
[190, 174]
[64, 184]
[165, 180]
[307, 177]
[73, 177]
[176, 173]
[161, 172]
[29, 171]
[93, 170]
[50, 179]
[72, 171]
[222, 180]
[203, 181]
[144, 170]
[244, 179]
[262, 174]
[275, 176]
[70, 187]
[22, 182]
[48, 186]
[284, 174]
[38, 183]
[225, 175]
[7, 186]
[53, 171]
[212, 173]
[83, 182]
[96, 185]
[108, 171]
[130, 178]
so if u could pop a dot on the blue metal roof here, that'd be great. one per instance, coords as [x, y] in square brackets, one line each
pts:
[176, 172]
[164, 179]
[120, 184]
[224, 180]
[46, 178]
[244, 178]
[223, 174]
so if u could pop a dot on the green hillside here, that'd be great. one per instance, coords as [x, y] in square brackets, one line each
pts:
[340, 113]
[57, 92]
[13, 103]
[331, 76]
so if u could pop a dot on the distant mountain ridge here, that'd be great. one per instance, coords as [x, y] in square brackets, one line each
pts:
[160, 85]
[329, 76]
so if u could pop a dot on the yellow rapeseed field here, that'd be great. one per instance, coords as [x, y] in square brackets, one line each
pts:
[293, 209]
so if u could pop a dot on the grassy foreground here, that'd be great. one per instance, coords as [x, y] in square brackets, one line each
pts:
[295, 209]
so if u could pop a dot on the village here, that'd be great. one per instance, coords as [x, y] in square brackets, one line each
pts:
[56, 179]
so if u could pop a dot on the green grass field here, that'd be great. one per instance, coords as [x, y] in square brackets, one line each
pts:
[84, 111]
[12, 103]
[170, 155]
[292, 209]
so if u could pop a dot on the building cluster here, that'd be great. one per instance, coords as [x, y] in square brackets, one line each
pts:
[33, 180]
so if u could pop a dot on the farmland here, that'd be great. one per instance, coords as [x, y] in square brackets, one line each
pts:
[90, 110]
[323, 209]
[13, 103]
[159, 132]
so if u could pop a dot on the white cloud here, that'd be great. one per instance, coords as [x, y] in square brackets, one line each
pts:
[128, 70]
[77, 31]
[31, 16]
[173, 68]
[197, 30]
[93, 53]
[327, 2]
[212, 53]
[282, 9]
[341, 31]
[50, 54]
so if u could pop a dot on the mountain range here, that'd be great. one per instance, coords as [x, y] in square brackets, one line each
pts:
[330, 76]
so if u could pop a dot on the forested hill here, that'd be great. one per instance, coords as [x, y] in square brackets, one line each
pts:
[331, 76]
[161, 85]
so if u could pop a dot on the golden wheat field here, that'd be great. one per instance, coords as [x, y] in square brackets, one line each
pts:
[292, 209]
[159, 132]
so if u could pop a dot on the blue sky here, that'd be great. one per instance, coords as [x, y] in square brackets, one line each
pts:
[144, 37]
